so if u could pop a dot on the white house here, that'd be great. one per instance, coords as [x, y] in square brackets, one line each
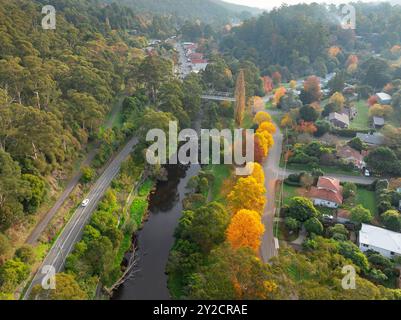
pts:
[386, 242]
[327, 193]
[383, 98]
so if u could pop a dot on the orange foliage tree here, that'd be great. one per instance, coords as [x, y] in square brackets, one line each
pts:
[276, 76]
[247, 194]
[280, 92]
[245, 230]
[306, 127]
[267, 84]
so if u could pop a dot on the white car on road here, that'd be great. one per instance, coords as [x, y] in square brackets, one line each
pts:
[85, 203]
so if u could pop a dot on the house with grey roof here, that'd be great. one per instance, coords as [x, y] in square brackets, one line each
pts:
[383, 241]
[378, 122]
[373, 139]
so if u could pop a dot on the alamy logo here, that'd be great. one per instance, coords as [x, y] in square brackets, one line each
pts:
[235, 144]
[349, 280]
[49, 279]
[49, 20]
[348, 17]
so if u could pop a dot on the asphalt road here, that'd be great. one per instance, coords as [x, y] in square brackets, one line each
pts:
[273, 172]
[72, 232]
[41, 226]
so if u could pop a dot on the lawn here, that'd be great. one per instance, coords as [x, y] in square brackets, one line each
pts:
[220, 173]
[361, 121]
[367, 199]
[288, 193]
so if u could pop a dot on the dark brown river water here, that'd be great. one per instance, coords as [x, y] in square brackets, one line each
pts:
[155, 240]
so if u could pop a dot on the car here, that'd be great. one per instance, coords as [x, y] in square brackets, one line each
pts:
[85, 203]
[367, 173]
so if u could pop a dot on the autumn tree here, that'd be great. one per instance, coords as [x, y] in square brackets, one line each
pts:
[245, 230]
[262, 116]
[267, 84]
[233, 274]
[67, 288]
[338, 100]
[247, 194]
[278, 94]
[311, 91]
[240, 98]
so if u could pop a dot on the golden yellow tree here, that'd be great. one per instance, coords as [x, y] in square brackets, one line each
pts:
[245, 230]
[287, 121]
[267, 126]
[240, 98]
[247, 193]
[338, 99]
[262, 116]
[256, 171]
[293, 84]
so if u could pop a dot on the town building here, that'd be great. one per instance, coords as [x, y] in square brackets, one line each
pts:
[383, 241]
[378, 122]
[383, 98]
[353, 156]
[327, 193]
[373, 139]
[340, 120]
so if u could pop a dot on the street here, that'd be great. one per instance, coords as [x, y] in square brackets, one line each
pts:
[74, 228]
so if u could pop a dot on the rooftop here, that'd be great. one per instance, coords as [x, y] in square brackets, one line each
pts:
[374, 138]
[380, 238]
[342, 117]
[378, 121]
[383, 96]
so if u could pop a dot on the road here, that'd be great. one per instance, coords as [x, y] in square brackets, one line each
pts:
[41, 226]
[72, 232]
[273, 172]
[271, 169]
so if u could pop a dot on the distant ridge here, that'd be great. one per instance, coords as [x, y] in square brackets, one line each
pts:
[210, 11]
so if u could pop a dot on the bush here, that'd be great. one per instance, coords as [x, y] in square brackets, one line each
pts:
[292, 224]
[313, 226]
[88, 174]
[25, 254]
[392, 220]
[4, 244]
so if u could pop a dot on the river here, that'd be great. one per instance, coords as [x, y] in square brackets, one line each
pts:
[156, 239]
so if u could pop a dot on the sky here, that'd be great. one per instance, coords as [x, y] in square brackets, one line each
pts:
[268, 4]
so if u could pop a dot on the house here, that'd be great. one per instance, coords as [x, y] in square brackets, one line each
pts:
[351, 155]
[198, 65]
[340, 120]
[373, 139]
[383, 241]
[343, 216]
[327, 193]
[378, 122]
[383, 98]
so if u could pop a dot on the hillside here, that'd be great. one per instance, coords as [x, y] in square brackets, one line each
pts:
[210, 11]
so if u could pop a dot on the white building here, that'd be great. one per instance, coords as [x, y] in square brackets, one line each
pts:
[386, 242]
[383, 98]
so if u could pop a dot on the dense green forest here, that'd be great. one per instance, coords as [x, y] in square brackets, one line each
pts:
[295, 39]
[209, 11]
[56, 88]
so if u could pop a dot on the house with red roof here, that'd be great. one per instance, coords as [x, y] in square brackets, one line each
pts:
[327, 193]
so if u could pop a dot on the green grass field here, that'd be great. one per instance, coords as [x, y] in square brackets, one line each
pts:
[220, 172]
[361, 121]
[367, 199]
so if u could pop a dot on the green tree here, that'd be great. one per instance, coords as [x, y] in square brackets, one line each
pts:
[361, 214]
[301, 209]
[26, 254]
[392, 220]
[67, 288]
[313, 225]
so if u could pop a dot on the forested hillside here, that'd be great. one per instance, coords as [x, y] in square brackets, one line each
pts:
[296, 38]
[210, 11]
[56, 87]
